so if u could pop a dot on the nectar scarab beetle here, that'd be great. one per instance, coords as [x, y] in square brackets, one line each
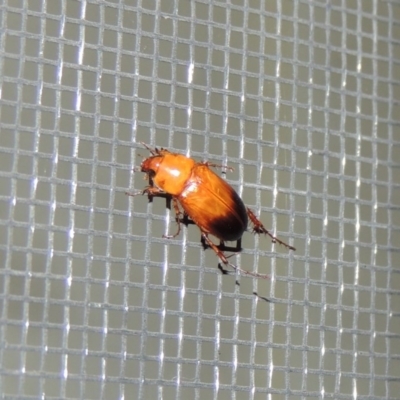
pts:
[201, 197]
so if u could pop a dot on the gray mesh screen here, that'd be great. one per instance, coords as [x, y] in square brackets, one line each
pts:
[301, 98]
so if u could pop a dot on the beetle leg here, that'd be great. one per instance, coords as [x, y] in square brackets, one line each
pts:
[203, 243]
[224, 259]
[238, 248]
[178, 218]
[151, 192]
[185, 220]
[223, 247]
[258, 227]
[208, 164]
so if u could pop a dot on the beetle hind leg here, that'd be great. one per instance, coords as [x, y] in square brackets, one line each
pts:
[225, 261]
[258, 227]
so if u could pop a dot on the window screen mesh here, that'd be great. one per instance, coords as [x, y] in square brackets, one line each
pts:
[301, 98]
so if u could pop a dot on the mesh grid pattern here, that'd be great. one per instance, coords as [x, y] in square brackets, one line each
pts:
[301, 98]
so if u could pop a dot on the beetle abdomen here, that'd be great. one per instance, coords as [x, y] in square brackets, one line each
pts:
[213, 204]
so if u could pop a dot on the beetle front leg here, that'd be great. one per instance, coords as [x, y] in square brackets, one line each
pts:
[151, 192]
[258, 227]
[225, 261]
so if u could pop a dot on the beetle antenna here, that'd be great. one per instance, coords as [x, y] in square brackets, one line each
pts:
[152, 151]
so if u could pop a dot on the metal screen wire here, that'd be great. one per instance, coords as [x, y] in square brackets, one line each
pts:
[301, 98]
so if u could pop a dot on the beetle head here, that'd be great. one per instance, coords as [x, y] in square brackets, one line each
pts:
[150, 165]
[168, 171]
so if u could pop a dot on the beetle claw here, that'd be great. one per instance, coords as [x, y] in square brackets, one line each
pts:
[223, 270]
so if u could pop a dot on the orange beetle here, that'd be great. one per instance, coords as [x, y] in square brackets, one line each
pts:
[206, 199]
